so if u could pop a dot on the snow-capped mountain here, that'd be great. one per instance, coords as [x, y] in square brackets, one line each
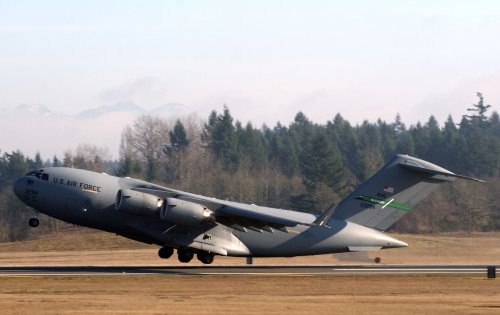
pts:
[36, 128]
[125, 107]
[39, 109]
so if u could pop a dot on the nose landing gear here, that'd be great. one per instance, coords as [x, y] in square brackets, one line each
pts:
[34, 222]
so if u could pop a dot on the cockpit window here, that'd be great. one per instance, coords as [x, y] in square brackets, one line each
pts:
[39, 174]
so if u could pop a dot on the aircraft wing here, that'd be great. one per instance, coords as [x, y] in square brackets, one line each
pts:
[237, 215]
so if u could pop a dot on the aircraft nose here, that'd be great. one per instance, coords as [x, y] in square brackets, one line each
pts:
[19, 186]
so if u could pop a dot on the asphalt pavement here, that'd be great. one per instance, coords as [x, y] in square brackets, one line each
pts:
[248, 270]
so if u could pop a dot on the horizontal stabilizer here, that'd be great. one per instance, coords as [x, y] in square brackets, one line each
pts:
[418, 168]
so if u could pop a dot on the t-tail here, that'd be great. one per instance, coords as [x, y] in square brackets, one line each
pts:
[390, 193]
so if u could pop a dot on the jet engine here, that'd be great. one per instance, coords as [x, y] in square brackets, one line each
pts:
[183, 212]
[138, 203]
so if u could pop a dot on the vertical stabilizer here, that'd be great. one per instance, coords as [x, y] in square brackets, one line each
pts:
[390, 193]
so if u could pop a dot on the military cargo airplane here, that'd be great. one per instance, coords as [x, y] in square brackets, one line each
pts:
[194, 224]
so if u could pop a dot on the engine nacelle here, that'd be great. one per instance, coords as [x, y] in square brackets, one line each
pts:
[183, 212]
[138, 203]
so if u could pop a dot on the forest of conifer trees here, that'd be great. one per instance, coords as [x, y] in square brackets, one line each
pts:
[303, 166]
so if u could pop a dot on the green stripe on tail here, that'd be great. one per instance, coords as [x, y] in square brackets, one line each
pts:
[386, 203]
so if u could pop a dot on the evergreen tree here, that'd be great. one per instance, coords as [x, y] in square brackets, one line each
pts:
[208, 130]
[321, 162]
[173, 152]
[68, 159]
[388, 139]
[405, 144]
[341, 133]
[398, 125]
[480, 149]
[178, 137]
[253, 145]
[479, 111]
[220, 133]
[433, 142]
[419, 136]
[56, 162]
[37, 162]
[369, 153]
[301, 131]
[322, 168]
[283, 152]
[451, 146]
[12, 166]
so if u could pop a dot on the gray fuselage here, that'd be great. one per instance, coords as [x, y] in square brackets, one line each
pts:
[88, 199]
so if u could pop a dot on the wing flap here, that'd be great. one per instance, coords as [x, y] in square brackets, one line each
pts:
[257, 213]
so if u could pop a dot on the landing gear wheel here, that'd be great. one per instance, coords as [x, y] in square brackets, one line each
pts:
[165, 252]
[205, 257]
[185, 254]
[33, 222]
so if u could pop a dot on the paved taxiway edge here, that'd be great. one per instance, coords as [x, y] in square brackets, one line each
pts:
[89, 271]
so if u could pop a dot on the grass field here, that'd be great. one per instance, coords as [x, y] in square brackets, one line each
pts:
[250, 295]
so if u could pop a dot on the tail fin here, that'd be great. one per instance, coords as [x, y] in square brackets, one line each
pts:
[390, 193]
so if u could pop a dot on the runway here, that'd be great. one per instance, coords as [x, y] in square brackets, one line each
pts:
[357, 270]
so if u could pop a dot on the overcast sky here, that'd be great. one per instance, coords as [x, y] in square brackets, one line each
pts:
[266, 60]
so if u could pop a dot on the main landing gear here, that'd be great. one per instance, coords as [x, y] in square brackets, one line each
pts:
[34, 222]
[186, 254]
[165, 252]
[205, 257]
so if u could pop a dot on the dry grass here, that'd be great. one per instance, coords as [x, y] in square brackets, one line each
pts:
[250, 295]
[73, 239]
